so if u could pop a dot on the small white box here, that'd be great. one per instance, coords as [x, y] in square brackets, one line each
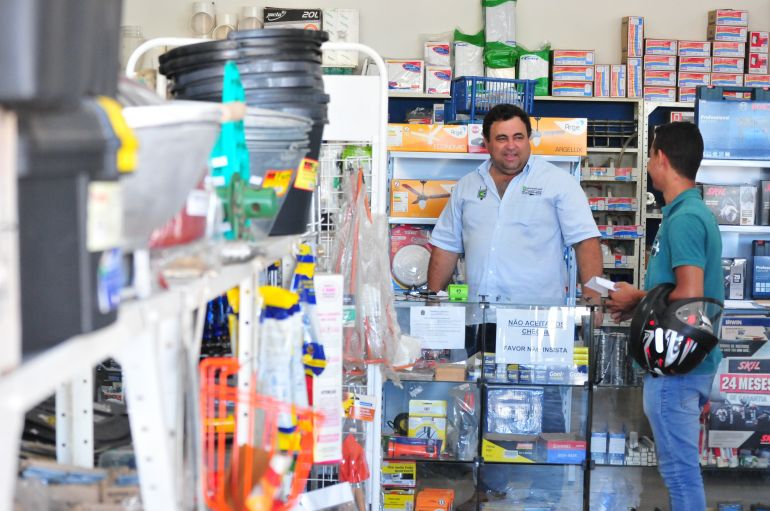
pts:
[438, 79]
[436, 53]
[405, 75]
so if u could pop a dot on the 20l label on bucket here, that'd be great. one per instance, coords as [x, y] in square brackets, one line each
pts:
[307, 175]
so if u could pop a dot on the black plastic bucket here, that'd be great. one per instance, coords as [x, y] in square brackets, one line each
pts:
[280, 33]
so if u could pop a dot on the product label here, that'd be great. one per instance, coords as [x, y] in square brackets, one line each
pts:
[104, 216]
[307, 175]
[279, 180]
[197, 203]
[109, 280]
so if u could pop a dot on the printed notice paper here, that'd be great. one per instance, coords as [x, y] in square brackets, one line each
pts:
[438, 327]
[540, 336]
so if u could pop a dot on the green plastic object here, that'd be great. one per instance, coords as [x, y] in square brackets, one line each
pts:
[458, 292]
[495, 3]
[242, 203]
[541, 84]
[501, 56]
[474, 39]
[230, 156]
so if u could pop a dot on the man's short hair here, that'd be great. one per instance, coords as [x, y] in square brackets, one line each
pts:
[505, 112]
[682, 144]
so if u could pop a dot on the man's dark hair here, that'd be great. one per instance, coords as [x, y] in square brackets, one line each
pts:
[505, 112]
[682, 144]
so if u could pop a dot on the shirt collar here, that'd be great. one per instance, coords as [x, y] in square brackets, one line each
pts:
[690, 192]
[484, 169]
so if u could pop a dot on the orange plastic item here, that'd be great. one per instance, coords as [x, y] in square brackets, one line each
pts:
[230, 474]
[353, 468]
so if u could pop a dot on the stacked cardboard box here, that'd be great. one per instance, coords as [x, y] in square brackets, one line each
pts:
[757, 72]
[727, 31]
[632, 41]
[572, 73]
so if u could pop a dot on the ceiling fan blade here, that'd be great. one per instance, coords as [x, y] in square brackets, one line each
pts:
[410, 188]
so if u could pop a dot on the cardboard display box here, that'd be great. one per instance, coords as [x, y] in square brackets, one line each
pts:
[428, 137]
[419, 198]
[659, 63]
[694, 49]
[632, 36]
[728, 49]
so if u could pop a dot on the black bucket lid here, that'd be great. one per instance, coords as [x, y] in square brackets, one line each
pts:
[251, 67]
[280, 33]
[259, 82]
[203, 59]
[194, 49]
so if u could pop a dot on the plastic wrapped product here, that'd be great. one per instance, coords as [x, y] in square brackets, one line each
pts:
[469, 54]
[533, 65]
[515, 411]
[437, 53]
[500, 21]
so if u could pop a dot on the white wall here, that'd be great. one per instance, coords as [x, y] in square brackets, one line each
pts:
[392, 27]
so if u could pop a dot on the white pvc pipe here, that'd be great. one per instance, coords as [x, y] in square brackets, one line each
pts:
[156, 43]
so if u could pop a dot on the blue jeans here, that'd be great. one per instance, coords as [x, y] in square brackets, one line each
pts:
[672, 405]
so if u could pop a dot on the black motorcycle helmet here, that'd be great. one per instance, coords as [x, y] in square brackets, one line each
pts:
[673, 338]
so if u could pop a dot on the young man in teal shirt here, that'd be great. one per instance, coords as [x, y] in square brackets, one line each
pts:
[686, 252]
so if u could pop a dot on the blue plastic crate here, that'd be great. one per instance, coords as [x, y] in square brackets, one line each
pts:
[476, 95]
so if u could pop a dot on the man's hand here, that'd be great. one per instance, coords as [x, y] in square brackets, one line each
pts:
[592, 298]
[622, 302]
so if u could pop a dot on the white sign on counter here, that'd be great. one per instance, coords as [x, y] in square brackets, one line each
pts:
[540, 336]
[438, 327]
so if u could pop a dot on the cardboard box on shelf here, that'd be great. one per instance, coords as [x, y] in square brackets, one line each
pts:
[634, 74]
[727, 79]
[572, 73]
[509, 448]
[681, 116]
[405, 75]
[693, 79]
[428, 138]
[659, 93]
[728, 49]
[685, 94]
[731, 204]
[659, 63]
[563, 448]
[419, 198]
[727, 33]
[660, 47]
[618, 81]
[632, 36]
[694, 49]
[727, 64]
[572, 57]
[756, 64]
[734, 270]
[437, 54]
[450, 372]
[476, 139]
[695, 64]
[602, 80]
[398, 500]
[759, 41]
[730, 17]
[764, 202]
[438, 80]
[305, 19]
[434, 499]
[428, 427]
[758, 80]
[559, 136]
[577, 89]
[660, 78]
[427, 407]
[400, 474]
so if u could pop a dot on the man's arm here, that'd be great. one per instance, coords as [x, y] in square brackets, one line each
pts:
[689, 283]
[442, 265]
[589, 261]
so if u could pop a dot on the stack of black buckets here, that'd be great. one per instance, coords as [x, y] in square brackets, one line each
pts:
[280, 70]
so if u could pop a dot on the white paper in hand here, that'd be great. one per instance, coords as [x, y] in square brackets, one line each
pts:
[601, 285]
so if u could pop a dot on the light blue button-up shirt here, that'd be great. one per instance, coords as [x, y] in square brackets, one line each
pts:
[514, 245]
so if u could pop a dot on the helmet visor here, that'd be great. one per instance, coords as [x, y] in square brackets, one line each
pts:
[701, 314]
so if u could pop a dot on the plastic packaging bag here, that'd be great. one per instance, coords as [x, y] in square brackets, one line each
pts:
[469, 54]
[501, 56]
[533, 65]
[500, 21]
[463, 422]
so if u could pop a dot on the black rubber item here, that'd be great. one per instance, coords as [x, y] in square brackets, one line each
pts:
[248, 68]
[192, 62]
[254, 82]
[194, 49]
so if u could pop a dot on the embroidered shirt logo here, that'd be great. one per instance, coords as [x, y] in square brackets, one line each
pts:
[532, 191]
[482, 192]
[655, 248]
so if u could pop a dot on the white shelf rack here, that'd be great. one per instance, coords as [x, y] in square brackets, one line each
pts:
[147, 339]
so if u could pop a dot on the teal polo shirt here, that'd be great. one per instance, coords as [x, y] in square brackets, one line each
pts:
[689, 236]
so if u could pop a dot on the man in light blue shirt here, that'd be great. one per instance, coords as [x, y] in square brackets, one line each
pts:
[512, 218]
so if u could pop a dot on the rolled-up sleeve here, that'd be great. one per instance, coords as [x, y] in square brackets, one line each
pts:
[448, 232]
[575, 218]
